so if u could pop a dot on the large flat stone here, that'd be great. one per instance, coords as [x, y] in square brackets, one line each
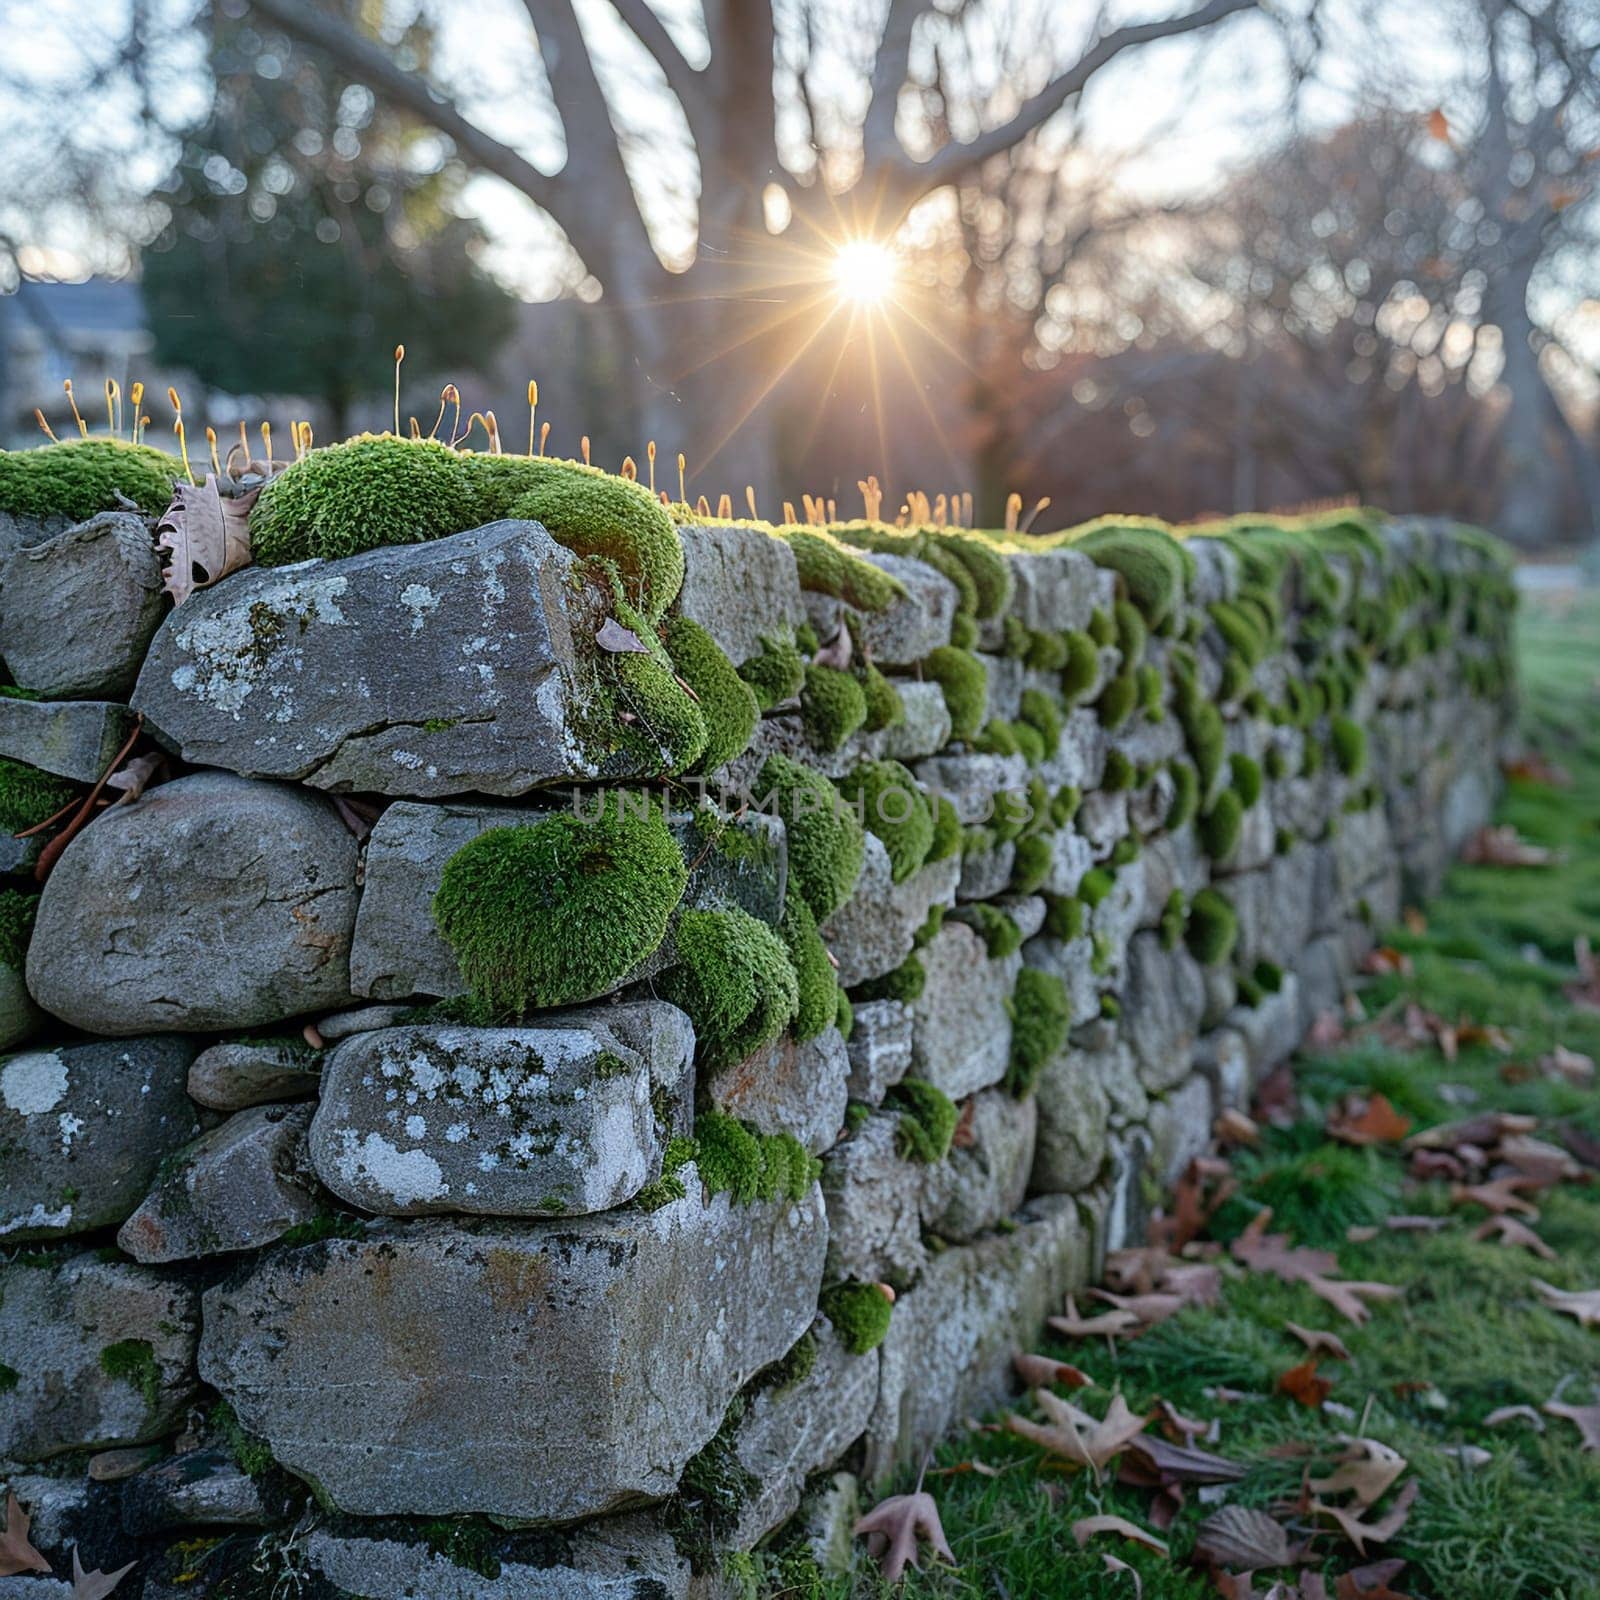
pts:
[873, 931]
[985, 1176]
[1073, 1117]
[78, 609]
[962, 1025]
[556, 1118]
[789, 1087]
[103, 1352]
[74, 739]
[738, 584]
[212, 902]
[543, 1372]
[1163, 1000]
[291, 672]
[238, 1187]
[874, 1200]
[83, 1128]
[398, 950]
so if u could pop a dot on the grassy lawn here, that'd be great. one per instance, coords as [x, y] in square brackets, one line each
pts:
[1500, 1511]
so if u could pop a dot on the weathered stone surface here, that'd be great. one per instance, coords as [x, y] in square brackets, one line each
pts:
[359, 1019]
[826, 1521]
[1180, 1126]
[786, 1434]
[74, 739]
[1102, 819]
[289, 672]
[103, 1352]
[623, 1558]
[789, 1087]
[738, 583]
[545, 1371]
[1223, 1056]
[554, 1118]
[1271, 1030]
[874, 1199]
[1005, 675]
[1163, 1000]
[1072, 961]
[911, 627]
[1172, 861]
[1322, 975]
[253, 1072]
[1055, 589]
[1080, 757]
[985, 1176]
[872, 932]
[212, 902]
[196, 1486]
[20, 1018]
[973, 783]
[1070, 1144]
[949, 1348]
[238, 1187]
[83, 1128]
[398, 950]
[879, 1049]
[56, 1509]
[78, 609]
[926, 727]
[961, 1039]
[1128, 1207]
[985, 873]
[1070, 858]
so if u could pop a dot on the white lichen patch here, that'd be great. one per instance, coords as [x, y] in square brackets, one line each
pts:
[37, 1218]
[406, 1176]
[34, 1083]
[419, 600]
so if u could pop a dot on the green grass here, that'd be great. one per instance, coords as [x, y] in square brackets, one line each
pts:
[1469, 1335]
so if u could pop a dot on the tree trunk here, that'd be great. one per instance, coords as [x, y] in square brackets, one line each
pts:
[1530, 495]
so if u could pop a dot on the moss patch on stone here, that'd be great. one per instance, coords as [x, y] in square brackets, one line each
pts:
[819, 991]
[1213, 928]
[1152, 564]
[826, 842]
[735, 1160]
[832, 706]
[1220, 826]
[860, 1314]
[946, 830]
[552, 912]
[79, 477]
[133, 1361]
[895, 809]
[28, 796]
[734, 979]
[827, 567]
[1041, 1015]
[1000, 934]
[904, 983]
[928, 1120]
[727, 702]
[775, 672]
[965, 682]
[1349, 741]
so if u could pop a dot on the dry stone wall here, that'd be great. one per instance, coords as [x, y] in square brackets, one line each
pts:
[330, 1247]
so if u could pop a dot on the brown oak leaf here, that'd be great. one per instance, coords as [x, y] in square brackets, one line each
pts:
[1039, 1372]
[1319, 1342]
[1502, 847]
[1076, 1436]
[1367, 1468]
[94, 1585]
[1379, 1531]
[206, 536]
[893, 1527]
[1369, 1119]
[1241, 1537]
[1085, 1528]
[16, 1553]
[1303, 1384]
[1109, 1324]
[1513, 1234]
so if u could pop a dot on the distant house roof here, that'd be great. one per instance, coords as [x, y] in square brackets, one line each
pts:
[64, 310]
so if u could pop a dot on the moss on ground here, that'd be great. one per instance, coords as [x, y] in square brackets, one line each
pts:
[79, 477]
[547, 913]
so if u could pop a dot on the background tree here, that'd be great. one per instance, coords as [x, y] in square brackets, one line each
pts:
[312, 227]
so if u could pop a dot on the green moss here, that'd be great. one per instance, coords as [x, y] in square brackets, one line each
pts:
[1030, 743]
[328, 1224]
[1283, 841]
[669, 1186]
[1064, 805]
[1110, 1007]
[251, 1454]
[964, 631]
[775, 672]
[465, 1542]
[965, 682]
[373, 490]
[832, 706]
[928, 1120]
[734, 1159]
[28, 796]
[735, 980]
[1047, 651]
[828, 567]
[556, 911]
[860, 1314]
[1174, 920]
[9, 1378]
[805, 638]
[1102, 628]
[79, 477]
[1241, 631]
[997, 739]
[17, 911]
[1213, 928]
[1000, 934]
[905, 983]
[1275, 764]
[1246, 779]
[1031, 867]
[990, 572]
[1152, 565]
[1040, 712]
[1236, 679]
[1014, 638]
[1096, 884]
[1152, 690]
[894, 808]
[1269, 975]
[1132, 632]
[1219, 827]
[1118, 699]
[818, 987]
[1203, 731]
[826, 842]
[1041, 1015]
[651, 715]
[885, 709]
[133, 1361]
[591, 512]
[1126, 849]
[1349, 740]
[1063, 917]
[844, 1017]
[726, 701]
[946, 830]
[1185, 793]
[1081, 667]
[1119, 772]
[1310, 759]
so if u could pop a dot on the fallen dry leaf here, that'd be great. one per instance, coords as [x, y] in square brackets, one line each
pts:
[1385, 961]
[1178, 1463]
[1316, 1269]
[1570, 1065]
[134, 776]
[1085, 1528]
[893, 1527]
[1513, 1234]
[1303, 1384]
[94, 1585]
[1499, 1196]
[1379, 1531]
[965, 1135]
[1542, 1163]
[1532, 767]
[16, 1553]
[206, 536]
[1585, 992]
[1482, 1131]
[1039, 1372]
[836, 652]
[1113, 1565]
[1367, 1468]
[1371, 1582]
[1502, 847]
[1074, 1435]
[1109, 1324]
[1371, 1119]
[1406, 1223]
[1239, 1536]
[1177, 1426]
[618, 640]
[1505, 1414]
[1585, 1418]
[1319, 1342]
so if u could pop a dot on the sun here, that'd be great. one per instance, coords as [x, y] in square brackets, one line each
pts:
[864, 272]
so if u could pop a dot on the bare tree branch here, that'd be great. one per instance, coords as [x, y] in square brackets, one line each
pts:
[878, 140]
[686, 84]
